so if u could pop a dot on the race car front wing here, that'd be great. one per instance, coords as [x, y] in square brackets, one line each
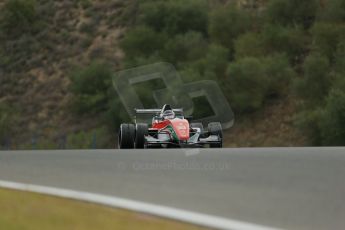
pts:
[194, 141]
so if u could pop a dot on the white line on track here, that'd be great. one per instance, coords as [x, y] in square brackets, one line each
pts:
[137, 206]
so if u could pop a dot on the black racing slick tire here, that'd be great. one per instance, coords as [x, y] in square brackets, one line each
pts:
[141, 130]
[215, 128]
[126, 136]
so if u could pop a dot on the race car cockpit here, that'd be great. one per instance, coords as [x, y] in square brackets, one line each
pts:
[167, 112]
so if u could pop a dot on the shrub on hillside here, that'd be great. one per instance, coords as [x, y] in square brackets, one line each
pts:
[279, 74]
[325, 126]
[339, 65]
[186, 47]
[90, 87]
[249, 45]
[216, 60]
[142, 41]
[332, 123]
[93, 94]
[289, 40]
[308, 121]
[247, 84]
[116, 113]
[227, 23]
[314, 85]
[292, 12]
[338, 71]
[326, 37]
[210, 67]
[19, 16]
[21, 24]
[175, 17]
[333, 11]
[253, 80]
[7, 121]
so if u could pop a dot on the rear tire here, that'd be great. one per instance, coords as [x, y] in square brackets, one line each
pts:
[215, 128]
[126, 136]
[141, 132]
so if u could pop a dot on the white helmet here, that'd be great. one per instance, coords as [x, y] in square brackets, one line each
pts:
[168, 114]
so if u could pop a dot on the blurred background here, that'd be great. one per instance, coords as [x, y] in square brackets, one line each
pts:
[280, 64]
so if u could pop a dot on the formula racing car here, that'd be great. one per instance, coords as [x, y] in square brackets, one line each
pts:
[169, 128]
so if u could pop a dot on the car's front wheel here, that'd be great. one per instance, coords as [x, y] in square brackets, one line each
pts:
[215, 128]
[126, 136]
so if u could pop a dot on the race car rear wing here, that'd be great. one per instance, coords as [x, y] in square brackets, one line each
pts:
[156, 111]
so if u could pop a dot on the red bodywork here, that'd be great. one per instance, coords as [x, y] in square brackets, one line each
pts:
[179, 126]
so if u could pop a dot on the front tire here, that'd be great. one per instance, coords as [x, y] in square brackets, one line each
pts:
[215, 128]
[141, 132]
[126, 136]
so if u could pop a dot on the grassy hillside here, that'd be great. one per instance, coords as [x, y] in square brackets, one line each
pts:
[42, 43]
[279, 63]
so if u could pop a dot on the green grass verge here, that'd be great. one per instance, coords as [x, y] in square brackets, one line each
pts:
[31, 211]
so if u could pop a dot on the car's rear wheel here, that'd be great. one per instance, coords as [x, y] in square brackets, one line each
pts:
[141, 131]
[215, 128]
[126, 136]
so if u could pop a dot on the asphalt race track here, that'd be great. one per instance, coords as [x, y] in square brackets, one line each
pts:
[290, 188]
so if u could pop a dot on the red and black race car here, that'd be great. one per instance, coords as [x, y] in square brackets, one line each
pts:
[169, 128]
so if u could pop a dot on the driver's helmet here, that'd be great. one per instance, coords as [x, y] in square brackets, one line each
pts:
[168, 114]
